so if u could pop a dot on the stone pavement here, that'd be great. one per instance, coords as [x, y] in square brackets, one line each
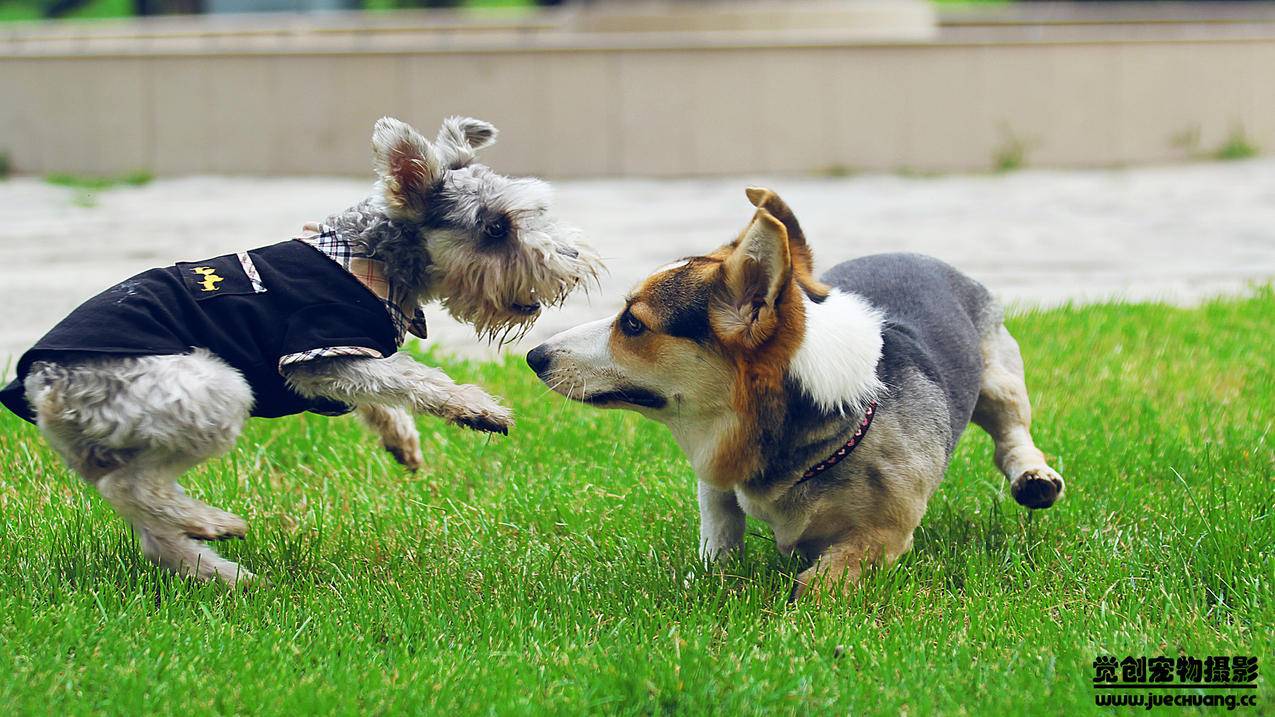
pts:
[1176, 233]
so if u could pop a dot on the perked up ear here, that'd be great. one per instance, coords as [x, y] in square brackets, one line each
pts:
[803, 258]
[407, 166]
[754, 278]
[460, 138]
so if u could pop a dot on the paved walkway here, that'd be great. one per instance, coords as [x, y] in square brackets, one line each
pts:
[1177, 233]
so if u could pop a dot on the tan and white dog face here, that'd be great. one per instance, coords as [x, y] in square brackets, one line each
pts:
[657, 356]
[702, 344]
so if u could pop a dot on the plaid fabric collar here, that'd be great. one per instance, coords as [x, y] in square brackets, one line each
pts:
[370, 273]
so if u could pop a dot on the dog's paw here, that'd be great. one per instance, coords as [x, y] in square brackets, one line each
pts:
[818, 581]
[233, 576]
[489, 422]
[810, 587]
[475, 408]
[1037, 487]
[214, 524]
[407, 451]
[712, 552]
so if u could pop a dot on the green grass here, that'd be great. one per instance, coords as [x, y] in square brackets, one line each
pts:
[87, 187]
[98, 183]
[23, 10]
[1012, 153]
[1237, 146]
[19, 11]
[555, 571]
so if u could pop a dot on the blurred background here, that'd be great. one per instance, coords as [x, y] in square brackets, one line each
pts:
[634, 88]
[1057, 151]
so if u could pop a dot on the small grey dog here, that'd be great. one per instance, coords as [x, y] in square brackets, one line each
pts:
[159, 373]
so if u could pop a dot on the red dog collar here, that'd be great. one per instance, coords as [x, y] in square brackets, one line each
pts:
[845, 450]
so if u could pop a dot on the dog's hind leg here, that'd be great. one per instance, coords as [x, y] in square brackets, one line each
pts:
[171, 524]
[187, 556]
[145, 490]
[131, 426]
[1004, 411]
[397, 431]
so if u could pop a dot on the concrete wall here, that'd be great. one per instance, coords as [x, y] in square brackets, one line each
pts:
[585, 104]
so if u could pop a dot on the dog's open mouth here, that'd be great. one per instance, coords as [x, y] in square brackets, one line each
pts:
[635, 396]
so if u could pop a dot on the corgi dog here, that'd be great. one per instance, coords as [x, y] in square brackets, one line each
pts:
[826, 407]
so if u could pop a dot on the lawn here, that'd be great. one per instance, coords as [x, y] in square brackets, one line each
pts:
[555, 570]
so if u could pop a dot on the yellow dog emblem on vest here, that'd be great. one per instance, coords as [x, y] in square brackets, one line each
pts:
[210, 277]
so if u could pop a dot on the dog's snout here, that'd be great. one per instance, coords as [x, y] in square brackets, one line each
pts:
[538, 359]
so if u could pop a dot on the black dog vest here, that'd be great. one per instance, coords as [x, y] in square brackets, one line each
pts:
[255, 310]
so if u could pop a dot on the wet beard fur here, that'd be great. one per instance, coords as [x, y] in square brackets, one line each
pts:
[484, 290]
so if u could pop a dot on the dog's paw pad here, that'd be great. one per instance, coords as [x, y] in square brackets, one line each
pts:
[488, 423]
[475, 409]
[237, 578]
[1037, 487]
[408, 456]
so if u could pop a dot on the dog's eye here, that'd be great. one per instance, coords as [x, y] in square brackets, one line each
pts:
[630, 325]
[496, 229]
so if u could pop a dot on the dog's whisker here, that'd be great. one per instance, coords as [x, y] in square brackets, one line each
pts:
[553, 388]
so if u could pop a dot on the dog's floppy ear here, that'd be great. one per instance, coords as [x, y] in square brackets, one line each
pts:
[407, 166]
[460, 138]
[803, 259]
[754, 278]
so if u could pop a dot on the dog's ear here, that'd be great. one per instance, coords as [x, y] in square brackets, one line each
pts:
[803, 259]
[755, 276]
[407, 166]
[460, 138]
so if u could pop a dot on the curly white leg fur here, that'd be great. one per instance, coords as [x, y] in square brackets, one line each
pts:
[146, 492]
[186, 556]
[131, 426]
[400, 381]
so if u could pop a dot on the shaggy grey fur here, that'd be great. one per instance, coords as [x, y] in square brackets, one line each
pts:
[484, 245]
[446, 229]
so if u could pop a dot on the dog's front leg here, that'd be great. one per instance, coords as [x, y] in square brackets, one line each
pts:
[841, 564]
[399, 381]
[721, 523]
[397, 431]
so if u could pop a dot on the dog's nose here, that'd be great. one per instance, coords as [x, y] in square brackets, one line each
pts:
[538, 359]
[568, 252]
